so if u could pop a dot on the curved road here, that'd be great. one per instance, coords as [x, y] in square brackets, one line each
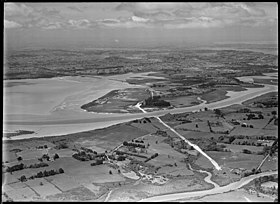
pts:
[217, 190]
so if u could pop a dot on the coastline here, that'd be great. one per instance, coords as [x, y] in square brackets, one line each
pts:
[48, 125]
[103, 122]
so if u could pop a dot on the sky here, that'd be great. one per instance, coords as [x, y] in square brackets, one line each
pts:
[140, 24]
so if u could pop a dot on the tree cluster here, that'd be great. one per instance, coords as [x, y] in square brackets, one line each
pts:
[45, 156]
[88, 150]
[152, 157]
[139, 141]
[254, 117]
[83, 156]
[155, 101]
[97, 162]
[61, 146]
[43, 174]
[38, 165]
[246, 151]
[125, 143]
[21, 166]
[42, 147]
[16, 167]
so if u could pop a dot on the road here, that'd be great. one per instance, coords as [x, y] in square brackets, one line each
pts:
[215, 164]
[217, 190]
[108, 196]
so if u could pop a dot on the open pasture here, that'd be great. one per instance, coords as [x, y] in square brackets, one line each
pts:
[201, 126]
[21, 194]
[238, 148]
[76, 194]
[237, 160]
[63, 182]
[183, 101]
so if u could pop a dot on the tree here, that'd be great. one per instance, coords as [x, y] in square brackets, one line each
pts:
[55, 156]
[45, 146]
[52, 172]
[19, 158]
[46, 173]
[175, 164]
[125, 143]
[23, 178]
[218, 112]
[61, 171]
[196, 125]
[206, 109]
[110, 172]
[274, 112]
[246, 151]
[119, 171]
[40, 174]
[231, 139]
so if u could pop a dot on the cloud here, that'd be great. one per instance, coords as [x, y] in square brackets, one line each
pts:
[15, 9]
[11, 24]
[30, 17]
[51, 26]
[125, 22]
[44, 18]
[178, 15]
[204, 15]
[80, 24]
[139, 19]
[75, 8]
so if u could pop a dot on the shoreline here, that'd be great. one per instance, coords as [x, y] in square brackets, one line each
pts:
[99, 126]
[81, 120]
